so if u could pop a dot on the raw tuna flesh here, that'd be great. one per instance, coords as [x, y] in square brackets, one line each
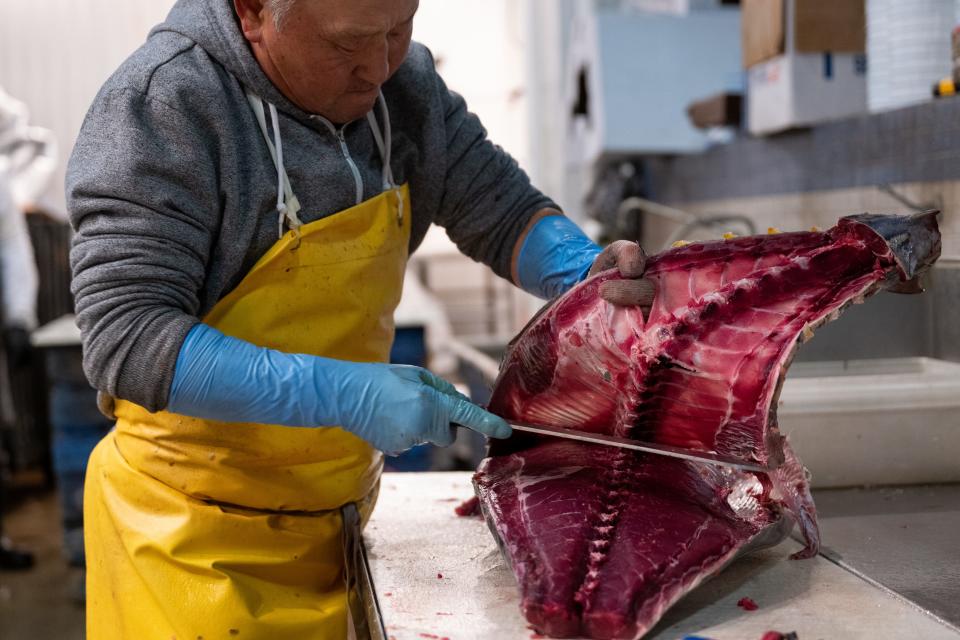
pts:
[602, 540]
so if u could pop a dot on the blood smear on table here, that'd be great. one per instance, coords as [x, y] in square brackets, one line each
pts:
[470, 507]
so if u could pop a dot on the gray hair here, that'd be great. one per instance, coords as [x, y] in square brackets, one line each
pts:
[280, 9]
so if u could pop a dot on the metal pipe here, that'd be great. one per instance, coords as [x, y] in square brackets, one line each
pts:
[688, 221]
[640, 205]
[480, 361]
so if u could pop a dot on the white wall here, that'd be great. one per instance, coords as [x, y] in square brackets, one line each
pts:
[55, 55]
[480, 48]
[485, 52]
[508, 58]
[560, 38]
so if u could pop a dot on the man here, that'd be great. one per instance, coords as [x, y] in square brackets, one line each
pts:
[246, 190]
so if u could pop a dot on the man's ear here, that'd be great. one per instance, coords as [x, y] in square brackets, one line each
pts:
[252, 15]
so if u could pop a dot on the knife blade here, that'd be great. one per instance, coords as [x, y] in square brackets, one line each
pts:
[625, 443]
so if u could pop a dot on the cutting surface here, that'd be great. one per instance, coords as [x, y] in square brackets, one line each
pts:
[904, 538]
[437, 575]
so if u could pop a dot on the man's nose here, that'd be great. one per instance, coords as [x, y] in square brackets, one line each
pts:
[375, 66]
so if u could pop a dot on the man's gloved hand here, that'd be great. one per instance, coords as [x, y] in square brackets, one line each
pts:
[16, 342]
[393, 407]
[631, 260]
[556, 254]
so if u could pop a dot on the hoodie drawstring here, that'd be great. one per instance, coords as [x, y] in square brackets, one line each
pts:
[385, 145]
[287, 204]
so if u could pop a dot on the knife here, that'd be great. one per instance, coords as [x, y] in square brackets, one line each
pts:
[625, 443]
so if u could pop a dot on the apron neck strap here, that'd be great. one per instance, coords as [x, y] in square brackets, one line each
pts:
[287, 204]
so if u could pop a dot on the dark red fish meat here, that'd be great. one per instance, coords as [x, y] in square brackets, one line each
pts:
[602, 540]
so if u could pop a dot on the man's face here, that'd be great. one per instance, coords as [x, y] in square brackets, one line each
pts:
[330, 57]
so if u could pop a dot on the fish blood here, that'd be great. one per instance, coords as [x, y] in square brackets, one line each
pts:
[469, 507]
[603, 540]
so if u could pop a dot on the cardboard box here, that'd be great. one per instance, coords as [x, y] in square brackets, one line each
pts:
[761, 30]
[720, 110]
[837, 26]
[774, 27]
[801, 89]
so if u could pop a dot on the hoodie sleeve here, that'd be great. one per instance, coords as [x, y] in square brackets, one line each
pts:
[144, 217]
[487, 198]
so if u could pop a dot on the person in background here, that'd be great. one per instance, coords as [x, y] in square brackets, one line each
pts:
[245, 191]
[28, 154]
[26, 163]
[18, 295]
[18, 278]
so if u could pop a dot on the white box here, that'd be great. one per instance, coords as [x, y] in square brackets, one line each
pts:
[801, 89]
[874, 422]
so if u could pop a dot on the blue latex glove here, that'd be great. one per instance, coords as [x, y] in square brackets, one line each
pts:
[554, 256]
[393, 407]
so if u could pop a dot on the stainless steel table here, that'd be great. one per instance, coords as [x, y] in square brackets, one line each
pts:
[902, 538]
[437, 575]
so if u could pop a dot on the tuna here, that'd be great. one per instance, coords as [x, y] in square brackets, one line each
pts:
[603, 540]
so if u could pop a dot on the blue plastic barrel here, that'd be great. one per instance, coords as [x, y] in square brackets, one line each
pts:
[77, 426]
[409, 346]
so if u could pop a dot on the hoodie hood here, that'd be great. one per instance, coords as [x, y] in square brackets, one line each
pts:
[215, 27]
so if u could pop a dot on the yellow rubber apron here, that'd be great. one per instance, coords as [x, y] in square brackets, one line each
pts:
[204, 529]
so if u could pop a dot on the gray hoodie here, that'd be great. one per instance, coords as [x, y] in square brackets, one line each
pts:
[172, 190]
